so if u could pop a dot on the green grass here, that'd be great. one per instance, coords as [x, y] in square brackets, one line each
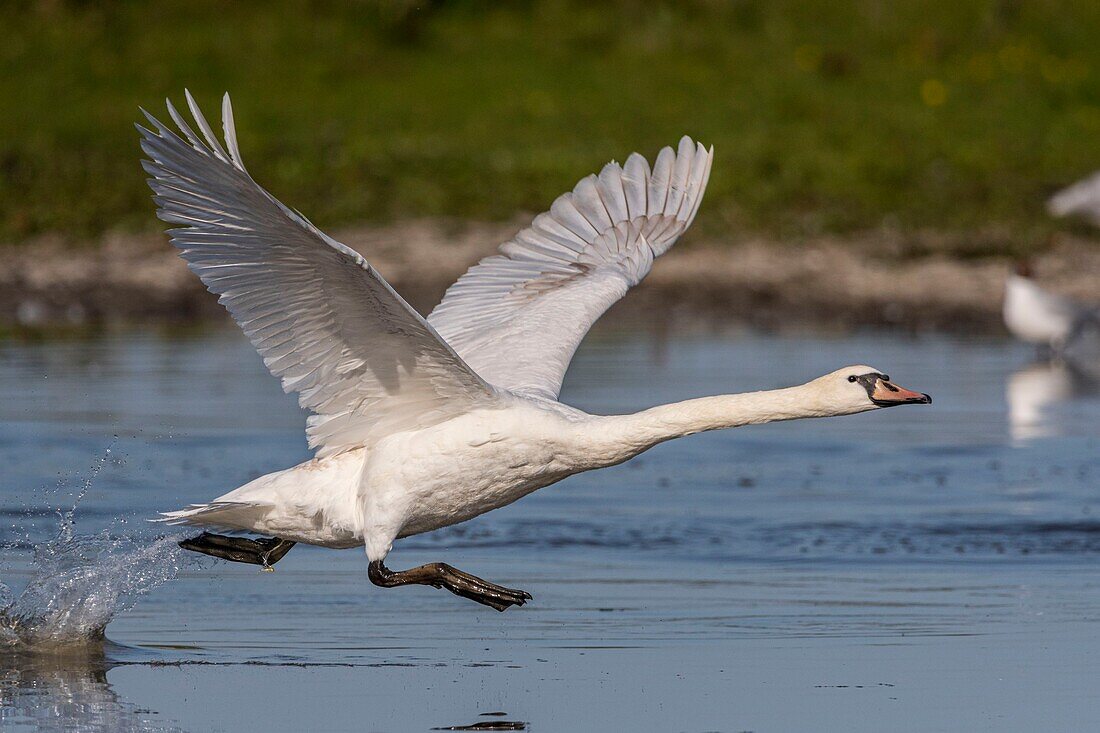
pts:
[827, 117]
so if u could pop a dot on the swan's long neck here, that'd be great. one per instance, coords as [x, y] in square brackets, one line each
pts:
[620, 437]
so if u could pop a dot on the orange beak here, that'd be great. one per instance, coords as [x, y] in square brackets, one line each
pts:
[888, 394]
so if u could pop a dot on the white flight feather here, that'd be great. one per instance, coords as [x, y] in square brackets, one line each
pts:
[518, 316]
[325, 322]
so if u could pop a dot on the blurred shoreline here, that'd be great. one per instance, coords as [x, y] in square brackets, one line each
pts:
[828, 282]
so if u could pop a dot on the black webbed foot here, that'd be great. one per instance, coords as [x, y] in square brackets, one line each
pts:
[265, 552]
[442, 575]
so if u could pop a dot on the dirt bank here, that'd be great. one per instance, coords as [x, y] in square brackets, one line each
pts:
[827, 282]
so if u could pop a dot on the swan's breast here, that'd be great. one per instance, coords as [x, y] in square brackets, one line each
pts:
[474, 463]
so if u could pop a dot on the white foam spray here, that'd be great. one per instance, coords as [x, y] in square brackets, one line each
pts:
[80, 583]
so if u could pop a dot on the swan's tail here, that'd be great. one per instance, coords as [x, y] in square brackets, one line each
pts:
[238, 515]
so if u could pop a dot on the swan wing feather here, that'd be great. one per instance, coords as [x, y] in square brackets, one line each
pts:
[517, 316]
[323, 320]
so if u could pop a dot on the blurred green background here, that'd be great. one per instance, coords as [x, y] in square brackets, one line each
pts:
[944, 116]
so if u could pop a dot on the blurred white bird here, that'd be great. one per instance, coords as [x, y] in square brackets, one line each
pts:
[423, 423]
[1050, 321]
[1081, 199]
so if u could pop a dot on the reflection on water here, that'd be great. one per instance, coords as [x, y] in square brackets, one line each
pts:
[1038, 393]
[488, 725]
[70, 692]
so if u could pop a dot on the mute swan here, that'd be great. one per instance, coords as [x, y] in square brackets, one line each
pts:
[422, 423]
[1037, 316]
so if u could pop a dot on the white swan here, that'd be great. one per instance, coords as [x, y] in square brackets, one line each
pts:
[422, 423]
[1046, 319]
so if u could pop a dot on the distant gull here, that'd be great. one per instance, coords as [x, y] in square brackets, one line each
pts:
[1051, 321]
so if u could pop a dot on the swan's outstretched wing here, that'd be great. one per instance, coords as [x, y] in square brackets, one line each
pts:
[1081, 199]
[323, 320]
[517, 317]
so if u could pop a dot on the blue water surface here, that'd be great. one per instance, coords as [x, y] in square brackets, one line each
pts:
[920, 568]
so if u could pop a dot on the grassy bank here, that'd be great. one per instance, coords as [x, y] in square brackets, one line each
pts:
[828, 118]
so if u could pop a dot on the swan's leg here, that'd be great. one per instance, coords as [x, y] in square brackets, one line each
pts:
[265, 552]
[442, 575]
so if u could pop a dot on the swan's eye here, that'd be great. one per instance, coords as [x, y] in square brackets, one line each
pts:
[885, 377]
[852, 378]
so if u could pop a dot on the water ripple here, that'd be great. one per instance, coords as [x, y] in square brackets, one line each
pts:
[748, 539]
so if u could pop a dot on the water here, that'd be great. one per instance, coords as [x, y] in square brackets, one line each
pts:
[911, 569]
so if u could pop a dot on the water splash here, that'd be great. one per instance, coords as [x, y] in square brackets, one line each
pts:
[80, 582]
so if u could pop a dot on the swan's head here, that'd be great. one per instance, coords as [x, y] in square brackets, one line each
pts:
[861, 388]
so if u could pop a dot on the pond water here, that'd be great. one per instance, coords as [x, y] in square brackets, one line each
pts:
[924, 568]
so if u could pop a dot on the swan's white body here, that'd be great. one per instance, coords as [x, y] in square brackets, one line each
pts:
[421, 480]
[1040, 317]
[422, 423]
